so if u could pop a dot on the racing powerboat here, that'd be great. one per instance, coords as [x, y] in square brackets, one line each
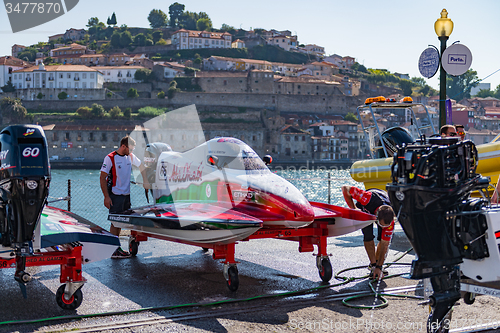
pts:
[221, 192]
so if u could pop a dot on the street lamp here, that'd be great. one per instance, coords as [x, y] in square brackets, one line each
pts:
[443, 28]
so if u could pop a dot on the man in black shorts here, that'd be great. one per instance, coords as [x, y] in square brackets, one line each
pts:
[375, 202]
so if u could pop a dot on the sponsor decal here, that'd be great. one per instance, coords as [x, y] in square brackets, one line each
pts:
[149, 159]
[208, 190]
[6, 166]
[119, 218]
[186, 173]
[497, 234]
[3, 154]
[29, 131]
[242, 195]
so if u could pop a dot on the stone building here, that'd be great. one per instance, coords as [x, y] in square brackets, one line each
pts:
[92, 142]
[295, 144]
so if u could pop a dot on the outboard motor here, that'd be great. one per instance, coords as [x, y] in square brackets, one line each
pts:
[24, 185]
[430, 192]
[393, 137]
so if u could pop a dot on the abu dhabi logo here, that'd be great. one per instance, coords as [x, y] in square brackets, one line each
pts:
[28, 14]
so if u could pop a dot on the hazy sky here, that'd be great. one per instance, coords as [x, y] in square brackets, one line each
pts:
[379, 34]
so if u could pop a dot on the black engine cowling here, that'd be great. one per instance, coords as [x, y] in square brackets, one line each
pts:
[24, 182]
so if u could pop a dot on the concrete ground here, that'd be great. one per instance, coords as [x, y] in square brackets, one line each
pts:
[169, 274]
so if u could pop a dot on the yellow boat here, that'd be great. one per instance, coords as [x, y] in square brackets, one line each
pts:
[379, 116]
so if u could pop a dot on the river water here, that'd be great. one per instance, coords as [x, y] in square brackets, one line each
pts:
[87, 199]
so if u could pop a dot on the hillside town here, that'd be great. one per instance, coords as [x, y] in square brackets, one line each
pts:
[305, 109]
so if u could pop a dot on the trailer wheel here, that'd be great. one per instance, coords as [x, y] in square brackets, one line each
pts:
[469, 298]
[325, 272]
[233, 280]
[68, 304]
[133, 246]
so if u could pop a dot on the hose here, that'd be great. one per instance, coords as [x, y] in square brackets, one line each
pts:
[343, 280]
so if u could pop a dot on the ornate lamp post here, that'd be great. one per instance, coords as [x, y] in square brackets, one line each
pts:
[443, 28]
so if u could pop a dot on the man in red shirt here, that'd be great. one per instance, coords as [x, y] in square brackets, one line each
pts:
[375, 202]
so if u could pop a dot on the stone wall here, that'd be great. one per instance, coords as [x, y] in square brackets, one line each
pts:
[332, 104]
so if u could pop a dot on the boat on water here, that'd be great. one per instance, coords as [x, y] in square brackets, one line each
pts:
[387, 124]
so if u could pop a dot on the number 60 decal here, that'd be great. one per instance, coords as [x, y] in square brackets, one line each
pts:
[33, 152]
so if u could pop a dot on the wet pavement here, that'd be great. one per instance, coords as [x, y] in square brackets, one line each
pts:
[167, 274]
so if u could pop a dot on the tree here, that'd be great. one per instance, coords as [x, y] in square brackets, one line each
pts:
[115, 112]
[161, 94]
[161, 42]
[115, 39]
[84, 112]
[39, 96]
[406, 86]
[28, 53]
[204, 24]
[13, 108]
[172, 89]
[175, 11]
[351, 117]
[144, 75]
[358, 67]
[48, 60]
[149, 42]
[127, 113]
[483, 93]
[140, 39]
[157, 18]
[97, 110]
[227, 28]
[132, 93]
[157, 36]
[112, 20]
[125, 39]
[9, 87]
[458, 87]
[93, 21]
[62, 95]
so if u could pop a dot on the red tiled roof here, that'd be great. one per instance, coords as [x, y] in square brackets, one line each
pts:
[12, 61]
[60, 68]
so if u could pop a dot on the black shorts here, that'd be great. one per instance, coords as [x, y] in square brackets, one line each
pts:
[121, 203]
[368, 233]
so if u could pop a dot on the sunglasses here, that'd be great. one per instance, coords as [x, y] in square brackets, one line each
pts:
[461, 133]
[452, 134]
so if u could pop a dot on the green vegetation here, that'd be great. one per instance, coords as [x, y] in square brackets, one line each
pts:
[351, 117]
[144, 75]
[13, 108]
[132, 93]
[161, 95]
[157, 18]
[458, 87]
[62, 95]
[115, 112]
[9, 87]
[149, 111]
[277, 54]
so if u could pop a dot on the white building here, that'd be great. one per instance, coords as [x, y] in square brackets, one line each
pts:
[62, 76]
[119, 73]
[8, 65]
[191, 39]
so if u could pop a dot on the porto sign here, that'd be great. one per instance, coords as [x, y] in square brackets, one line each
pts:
[428, 63]
[456, 59]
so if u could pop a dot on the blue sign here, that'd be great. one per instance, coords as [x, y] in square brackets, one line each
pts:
[428, 63]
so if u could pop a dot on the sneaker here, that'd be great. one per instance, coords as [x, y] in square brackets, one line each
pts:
[119, 254]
